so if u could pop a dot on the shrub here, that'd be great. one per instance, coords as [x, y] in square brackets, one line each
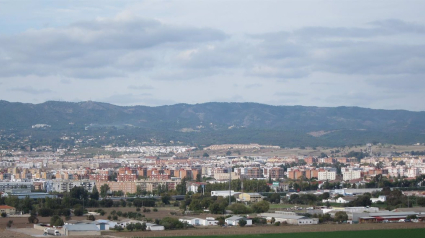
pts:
[242, 222]
[3, 214]
[118, 228]
[56, 221]
[33, 219]
[9, 223]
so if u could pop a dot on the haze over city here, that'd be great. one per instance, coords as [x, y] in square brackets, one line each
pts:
[313, 53]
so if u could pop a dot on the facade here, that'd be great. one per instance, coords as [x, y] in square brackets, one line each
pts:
[81, 230]
[223, 193]
[234, 221]
[67, 185]
[7, 209]
[250, 197]
[351, 174]
[328, 174]
[289, 219]
[15, 185]
[381, 198]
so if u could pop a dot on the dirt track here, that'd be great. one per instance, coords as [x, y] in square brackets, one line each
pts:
[268, 229]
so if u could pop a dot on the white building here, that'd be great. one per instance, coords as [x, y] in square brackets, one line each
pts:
[289, 219]
[234, 221]
[351, 174]
[324, 175]
[194, 221]
[381, 198]
[223, 193]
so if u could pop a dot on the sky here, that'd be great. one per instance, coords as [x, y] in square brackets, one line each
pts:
[303, 52]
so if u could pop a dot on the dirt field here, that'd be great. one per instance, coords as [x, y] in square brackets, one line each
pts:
[308, 151]
[268, 229]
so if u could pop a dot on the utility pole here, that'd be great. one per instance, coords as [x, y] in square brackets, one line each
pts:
[230, 184]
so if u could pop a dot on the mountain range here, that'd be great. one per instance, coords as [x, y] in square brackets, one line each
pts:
[216, 123]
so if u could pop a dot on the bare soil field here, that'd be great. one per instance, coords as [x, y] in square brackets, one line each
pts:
[309, 151]
[201, 231]
[12, 234]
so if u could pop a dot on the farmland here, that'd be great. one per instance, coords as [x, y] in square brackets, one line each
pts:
[411, 233]
[272, 231]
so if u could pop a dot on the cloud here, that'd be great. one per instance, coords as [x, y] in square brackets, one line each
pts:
[97, 49]
[140, 87]
[344, 50]
[289, 94]
[31, 90]
[253, 85]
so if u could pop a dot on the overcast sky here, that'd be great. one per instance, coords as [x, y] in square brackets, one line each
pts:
[313, 53]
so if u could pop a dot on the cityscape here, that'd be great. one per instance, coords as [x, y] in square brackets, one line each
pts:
[207, 119]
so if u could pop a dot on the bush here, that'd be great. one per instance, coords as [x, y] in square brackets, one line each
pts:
[3, 214]
[118, 228]
[56, 221]
[91, 218]
[242, 222]
[171, 223]
[260, 207]
[155, 210]
[239, 208]
[33, 219]
[277, 223]
[78, 211]
[9, 223]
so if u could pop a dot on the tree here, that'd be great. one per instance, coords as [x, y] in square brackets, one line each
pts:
[78, 211]
[341, 216]
[171, 223]
[165, 198]
[228, 153]
[91, 218]
[239, 208]
[242, 222]
[206, 155]
[104, 190]
[143, 226]
[118, 228]
[130, 227]
[45, 212]
[33, 219]
[95, 193]
[260, 207]
[56, 221]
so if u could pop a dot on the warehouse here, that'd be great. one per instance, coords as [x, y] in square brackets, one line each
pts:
[289, 219]
[81, 230]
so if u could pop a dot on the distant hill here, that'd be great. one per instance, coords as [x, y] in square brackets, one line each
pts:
[212, 123]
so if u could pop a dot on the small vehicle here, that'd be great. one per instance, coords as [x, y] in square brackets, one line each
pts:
[52, 232]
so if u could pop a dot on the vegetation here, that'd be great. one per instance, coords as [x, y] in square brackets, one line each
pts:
[285, 126]
[411, 233]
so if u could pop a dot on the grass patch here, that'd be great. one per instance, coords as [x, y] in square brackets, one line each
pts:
[411, 233]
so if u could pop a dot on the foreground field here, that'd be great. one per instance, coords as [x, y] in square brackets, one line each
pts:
[269, 230]
[411, 233]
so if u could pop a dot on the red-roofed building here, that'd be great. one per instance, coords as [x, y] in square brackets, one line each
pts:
[7, 209]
